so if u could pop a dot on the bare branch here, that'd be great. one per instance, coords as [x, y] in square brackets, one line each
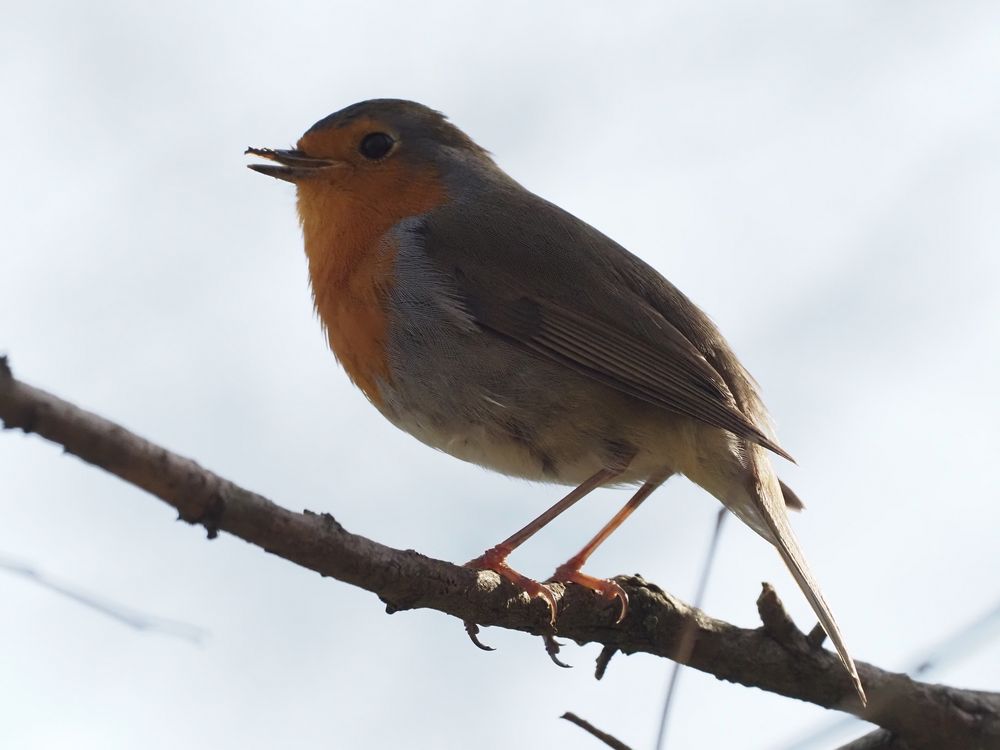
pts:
[927, 716]
[607, 739]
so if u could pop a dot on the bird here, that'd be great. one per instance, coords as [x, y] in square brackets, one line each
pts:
[493, 325]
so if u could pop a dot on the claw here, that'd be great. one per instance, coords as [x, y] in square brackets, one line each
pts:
[608, 590]
[495, 559]
[473, 630]
[552, 647]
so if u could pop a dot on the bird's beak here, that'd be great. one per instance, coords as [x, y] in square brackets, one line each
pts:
[292, 165]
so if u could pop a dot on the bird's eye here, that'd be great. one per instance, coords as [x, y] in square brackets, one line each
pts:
[375, 145]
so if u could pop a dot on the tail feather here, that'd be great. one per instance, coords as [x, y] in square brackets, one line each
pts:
[769, 504]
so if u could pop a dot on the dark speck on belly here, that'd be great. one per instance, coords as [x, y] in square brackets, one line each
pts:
[521, 433]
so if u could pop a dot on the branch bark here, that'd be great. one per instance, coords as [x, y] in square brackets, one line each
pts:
[776, 657]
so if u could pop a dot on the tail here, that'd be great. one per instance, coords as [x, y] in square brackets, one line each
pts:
[765, 492]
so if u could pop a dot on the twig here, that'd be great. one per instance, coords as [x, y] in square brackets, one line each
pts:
[607, 739]
[687, 640]
[120, 613]
[777, 622]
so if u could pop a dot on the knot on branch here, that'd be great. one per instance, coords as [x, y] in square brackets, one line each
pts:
[603, 659]
[778, 623]
[210, 517]
[330, 523]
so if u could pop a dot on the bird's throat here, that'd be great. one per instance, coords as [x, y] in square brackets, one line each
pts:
[351, 267]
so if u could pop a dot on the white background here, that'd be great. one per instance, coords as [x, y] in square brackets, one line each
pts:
[822, 178]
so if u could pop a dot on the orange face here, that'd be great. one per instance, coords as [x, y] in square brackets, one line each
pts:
[370, 186]
[344, 143]
[354, 184]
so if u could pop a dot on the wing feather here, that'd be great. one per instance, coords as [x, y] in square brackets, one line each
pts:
[672, 376]
[562, 290]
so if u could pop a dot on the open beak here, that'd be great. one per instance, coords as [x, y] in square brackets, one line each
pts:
[292, 165]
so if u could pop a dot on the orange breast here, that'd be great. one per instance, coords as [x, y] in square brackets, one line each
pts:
[351, 262]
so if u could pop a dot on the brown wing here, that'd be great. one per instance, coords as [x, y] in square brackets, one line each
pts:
[561, 289]
[672, 375]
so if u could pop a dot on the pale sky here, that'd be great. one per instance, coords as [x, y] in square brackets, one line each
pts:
[822, 178]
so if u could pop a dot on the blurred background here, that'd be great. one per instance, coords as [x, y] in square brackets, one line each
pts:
[822, 178]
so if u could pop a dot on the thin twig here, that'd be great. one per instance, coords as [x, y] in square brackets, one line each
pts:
[118, 612]
[607, 739]
[687, 641]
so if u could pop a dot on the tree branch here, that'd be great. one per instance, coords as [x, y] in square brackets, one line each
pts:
[777, 658]
[613, 742]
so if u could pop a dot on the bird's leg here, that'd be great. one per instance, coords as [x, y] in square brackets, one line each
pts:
[495, 558]
[569, 571]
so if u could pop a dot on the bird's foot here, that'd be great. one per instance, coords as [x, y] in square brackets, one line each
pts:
[609, 590]
[495, 559]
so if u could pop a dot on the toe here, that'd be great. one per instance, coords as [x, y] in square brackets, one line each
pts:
[495, 560]
[608, 590]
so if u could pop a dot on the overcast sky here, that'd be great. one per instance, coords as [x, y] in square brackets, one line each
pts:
[822, 178]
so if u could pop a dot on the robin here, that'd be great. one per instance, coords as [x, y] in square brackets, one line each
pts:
[494, 326]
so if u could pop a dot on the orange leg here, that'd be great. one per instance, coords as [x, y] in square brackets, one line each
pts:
[569, 572]
[495, 558]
